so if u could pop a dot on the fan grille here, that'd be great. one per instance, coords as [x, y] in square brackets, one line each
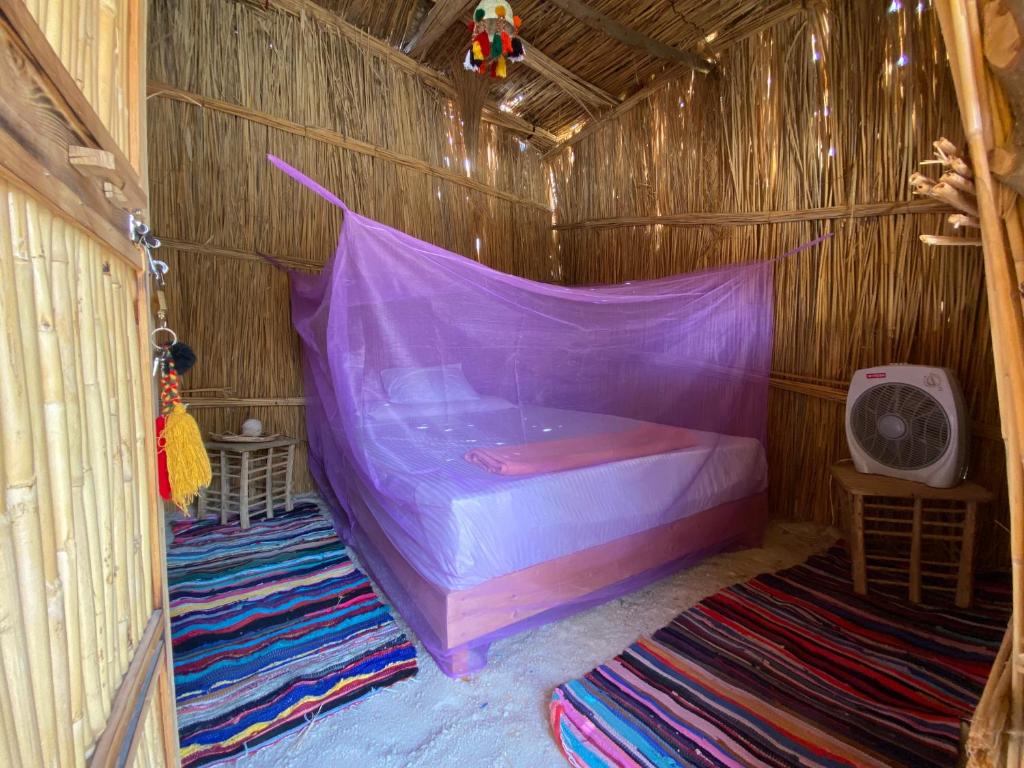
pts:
[900, 426]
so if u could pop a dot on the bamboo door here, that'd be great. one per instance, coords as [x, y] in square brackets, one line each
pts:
[84, 653]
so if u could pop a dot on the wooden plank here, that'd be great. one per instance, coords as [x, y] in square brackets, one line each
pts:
[136, 88]
[893, 487]
[439, 19]
[631, 37]
[515, 597]
[36, 130]
[113, 749]
[162, 90]
[38, 49]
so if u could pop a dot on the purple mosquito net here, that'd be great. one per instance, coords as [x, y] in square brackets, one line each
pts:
[502, 452]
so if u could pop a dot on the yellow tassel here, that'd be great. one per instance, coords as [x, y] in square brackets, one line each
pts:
[478, 52]
[501, 71]
[188, 466]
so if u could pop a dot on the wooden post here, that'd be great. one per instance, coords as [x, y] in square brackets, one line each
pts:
[243, 491]
[965, 578]
[289, 505]
[270, 483]
[963, 48]
[223, 487]
[915, 551]
[860, 575]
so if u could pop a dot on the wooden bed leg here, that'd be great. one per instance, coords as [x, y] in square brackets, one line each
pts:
[460, 662]
[860, 573]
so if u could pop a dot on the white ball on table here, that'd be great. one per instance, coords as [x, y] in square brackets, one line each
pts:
[252, 428]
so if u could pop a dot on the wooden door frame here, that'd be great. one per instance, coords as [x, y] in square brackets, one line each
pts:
[98, 199]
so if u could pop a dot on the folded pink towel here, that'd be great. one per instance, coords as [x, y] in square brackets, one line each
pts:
[575, 452]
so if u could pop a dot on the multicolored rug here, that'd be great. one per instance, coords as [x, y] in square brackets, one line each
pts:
[272, 627]
[789, 669]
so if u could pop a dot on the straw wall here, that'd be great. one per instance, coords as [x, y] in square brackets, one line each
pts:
[75, 556]
[787, 126]
[247, 79]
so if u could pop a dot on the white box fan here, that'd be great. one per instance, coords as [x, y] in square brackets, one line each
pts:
[908, 421]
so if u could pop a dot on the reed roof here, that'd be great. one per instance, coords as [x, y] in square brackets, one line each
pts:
[552, 100]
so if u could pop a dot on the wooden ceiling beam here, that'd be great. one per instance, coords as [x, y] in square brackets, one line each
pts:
[438, 20]
[309, 9]
[631, 37]
[576, 87]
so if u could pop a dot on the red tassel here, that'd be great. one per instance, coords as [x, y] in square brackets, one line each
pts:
[506, 43]
[485, 44]
[161, 461]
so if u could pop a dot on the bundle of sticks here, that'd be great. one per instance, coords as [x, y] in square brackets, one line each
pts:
[955, 188]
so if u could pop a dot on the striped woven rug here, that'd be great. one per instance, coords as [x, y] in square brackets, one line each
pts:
[789, 669]
[272, 627]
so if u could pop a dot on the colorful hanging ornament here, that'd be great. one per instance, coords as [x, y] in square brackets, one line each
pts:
[495, 39]
[161, 460]
[180, 442]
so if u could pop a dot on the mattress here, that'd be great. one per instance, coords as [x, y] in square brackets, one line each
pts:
[462, 525]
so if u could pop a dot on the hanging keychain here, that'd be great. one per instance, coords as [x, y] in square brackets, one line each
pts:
[183, 467]
[188, 466]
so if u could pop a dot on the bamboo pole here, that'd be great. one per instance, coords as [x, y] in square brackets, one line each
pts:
[65, 299]
[1007, 323]
[751, 218]
[27, 230]
[64, 604]
[9, 752]
[95, 428]
[22, 501]
[119, 512]
[18, 712]
[127, 474]
[93, 488]
[141, 405]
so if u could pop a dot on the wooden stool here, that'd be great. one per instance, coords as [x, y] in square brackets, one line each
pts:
[249, 474]
[879, 508]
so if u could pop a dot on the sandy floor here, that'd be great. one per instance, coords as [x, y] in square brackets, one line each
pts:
[498, 718]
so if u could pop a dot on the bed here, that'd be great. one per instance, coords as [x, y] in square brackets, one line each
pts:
[416, 358]
[478, 553]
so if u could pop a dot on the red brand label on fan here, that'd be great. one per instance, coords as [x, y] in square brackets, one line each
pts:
[876, 375]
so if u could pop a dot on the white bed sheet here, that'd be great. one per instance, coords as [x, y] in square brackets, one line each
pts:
[482, 525]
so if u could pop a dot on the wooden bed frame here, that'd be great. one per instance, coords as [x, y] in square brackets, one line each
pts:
[459, 617]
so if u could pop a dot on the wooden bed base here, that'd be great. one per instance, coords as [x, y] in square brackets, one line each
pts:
[461, 616]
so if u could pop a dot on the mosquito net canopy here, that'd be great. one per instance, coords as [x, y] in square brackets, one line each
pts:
[477, 424]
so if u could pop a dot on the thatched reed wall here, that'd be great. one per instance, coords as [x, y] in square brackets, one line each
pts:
[263, 79]
[787, 126]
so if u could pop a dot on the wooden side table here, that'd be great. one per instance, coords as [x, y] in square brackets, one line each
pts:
[890, 508]
[249, 478]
